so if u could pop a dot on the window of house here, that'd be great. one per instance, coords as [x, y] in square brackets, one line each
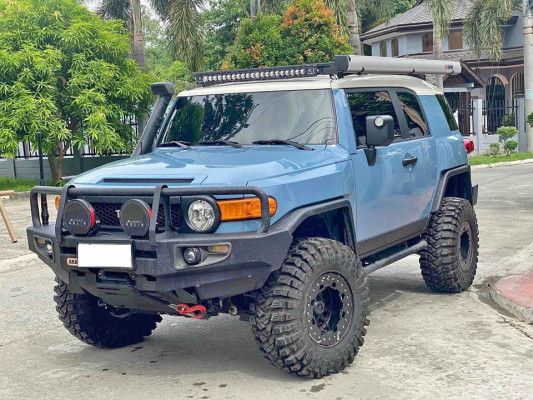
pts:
[383, 49]
[414, 116]
[427, 42]
[455, 40]
[366, 104]
[517, 84]
[395, 48]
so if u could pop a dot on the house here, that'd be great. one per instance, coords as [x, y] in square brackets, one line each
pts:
[495, 87]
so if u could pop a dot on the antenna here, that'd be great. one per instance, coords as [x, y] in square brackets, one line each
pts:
[42, 182]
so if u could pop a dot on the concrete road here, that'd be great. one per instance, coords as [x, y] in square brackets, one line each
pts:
[420, 345]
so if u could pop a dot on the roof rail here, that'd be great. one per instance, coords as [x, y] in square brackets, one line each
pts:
[342, 65]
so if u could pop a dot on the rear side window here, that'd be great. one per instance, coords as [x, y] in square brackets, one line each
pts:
[452, 123]
[365, 104]
[416, 124]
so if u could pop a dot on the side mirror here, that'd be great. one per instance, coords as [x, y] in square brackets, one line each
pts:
[379, 132]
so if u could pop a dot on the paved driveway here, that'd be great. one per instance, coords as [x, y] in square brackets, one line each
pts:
[420, 345]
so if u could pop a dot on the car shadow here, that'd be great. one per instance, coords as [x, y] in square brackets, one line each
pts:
[181, 347]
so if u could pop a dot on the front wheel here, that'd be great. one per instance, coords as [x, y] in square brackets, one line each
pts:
[449, 262]
[311, 315]
[98, 325]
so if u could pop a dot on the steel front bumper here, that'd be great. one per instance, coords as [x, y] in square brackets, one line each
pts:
[156, 265]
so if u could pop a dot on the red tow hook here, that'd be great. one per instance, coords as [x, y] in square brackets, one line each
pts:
[194, 312]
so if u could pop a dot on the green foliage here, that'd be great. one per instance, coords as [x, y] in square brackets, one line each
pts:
[307, 33]
[529, 119]
[509, 119]
[494, 149]
[510, 146]
[66, 73]
[483, 26]
[222, 21]
[506, 133]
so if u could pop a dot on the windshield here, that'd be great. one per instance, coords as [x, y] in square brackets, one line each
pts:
[304, 116]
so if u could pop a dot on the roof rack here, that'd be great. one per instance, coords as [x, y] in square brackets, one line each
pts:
[341, 66]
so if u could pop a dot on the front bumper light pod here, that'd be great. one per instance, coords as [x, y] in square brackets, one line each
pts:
[203, 215]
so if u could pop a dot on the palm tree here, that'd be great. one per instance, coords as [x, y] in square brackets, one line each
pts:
[483, 32]
[130, 12]
[442, 18]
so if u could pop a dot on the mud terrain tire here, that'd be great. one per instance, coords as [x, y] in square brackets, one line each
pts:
[449, 262]
[95, 325]
[291, 323]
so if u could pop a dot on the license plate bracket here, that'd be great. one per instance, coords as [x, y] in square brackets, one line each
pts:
[105, 255]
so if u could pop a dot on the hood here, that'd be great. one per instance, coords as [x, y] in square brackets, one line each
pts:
[211, 165]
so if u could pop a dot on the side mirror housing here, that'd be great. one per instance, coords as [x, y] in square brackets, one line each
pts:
[379, 133]
[379, 130]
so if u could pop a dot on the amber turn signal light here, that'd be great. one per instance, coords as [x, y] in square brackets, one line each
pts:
[241, 209]
[57, 201]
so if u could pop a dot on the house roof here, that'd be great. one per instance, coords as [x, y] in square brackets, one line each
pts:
[471, 58]
[418, 16]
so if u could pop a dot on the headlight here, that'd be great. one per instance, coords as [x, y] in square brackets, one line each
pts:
[203, 216]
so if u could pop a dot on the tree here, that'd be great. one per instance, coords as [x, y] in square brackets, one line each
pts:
[222, 19]
[130, 12]
[483, 32]
[307, 33]
[66, 73]
[442, 17]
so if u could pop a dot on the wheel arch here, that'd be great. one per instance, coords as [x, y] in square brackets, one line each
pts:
[456, 182]
[329, 220]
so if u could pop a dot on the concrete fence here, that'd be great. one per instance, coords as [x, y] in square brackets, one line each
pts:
[72, 165]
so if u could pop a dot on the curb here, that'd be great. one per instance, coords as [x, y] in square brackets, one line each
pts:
[523, 313]
[503, 164]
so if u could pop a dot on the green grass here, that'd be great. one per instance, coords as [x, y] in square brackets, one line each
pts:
[16, 184]
[485, 159]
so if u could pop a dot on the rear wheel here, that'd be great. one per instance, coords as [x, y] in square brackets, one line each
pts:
[99, 325]
[449, 262]
[311, 316]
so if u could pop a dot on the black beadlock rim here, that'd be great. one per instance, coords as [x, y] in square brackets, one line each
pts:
[329, 309]
[466, 248]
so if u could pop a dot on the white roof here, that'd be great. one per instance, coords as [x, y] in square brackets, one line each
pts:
[320, 82]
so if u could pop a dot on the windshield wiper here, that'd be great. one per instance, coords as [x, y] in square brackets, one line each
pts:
[179, 143]
[220, 143]
[287, 142]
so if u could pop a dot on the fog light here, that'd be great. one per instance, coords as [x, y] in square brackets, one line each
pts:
[48, 248]
[192, 255]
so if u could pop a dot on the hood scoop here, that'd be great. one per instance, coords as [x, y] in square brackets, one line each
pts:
[148, 180]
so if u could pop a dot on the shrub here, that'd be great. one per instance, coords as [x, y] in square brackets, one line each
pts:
[530, 119]
[494, 149]
[509, 119]
[510, 146]
[506, 133]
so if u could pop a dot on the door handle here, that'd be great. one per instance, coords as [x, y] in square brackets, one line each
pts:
[409, 160]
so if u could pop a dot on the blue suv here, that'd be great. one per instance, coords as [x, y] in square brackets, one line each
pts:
[268, 194]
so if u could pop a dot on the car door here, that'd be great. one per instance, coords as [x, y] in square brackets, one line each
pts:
[393, 196]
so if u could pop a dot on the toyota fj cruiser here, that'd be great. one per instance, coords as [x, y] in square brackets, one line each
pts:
[270, 194]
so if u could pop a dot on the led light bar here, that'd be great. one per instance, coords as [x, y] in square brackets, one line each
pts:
[347, 65]
[257, 74]
[342, 65]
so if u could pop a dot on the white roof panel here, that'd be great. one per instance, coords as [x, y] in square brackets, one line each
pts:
[320, 82]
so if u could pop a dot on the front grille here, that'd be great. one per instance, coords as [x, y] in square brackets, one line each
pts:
[148, 180]
[107, 214]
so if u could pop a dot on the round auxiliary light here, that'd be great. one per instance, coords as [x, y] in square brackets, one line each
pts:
[135, 217]
[79, 217]
[192, 255]
[203, 216]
